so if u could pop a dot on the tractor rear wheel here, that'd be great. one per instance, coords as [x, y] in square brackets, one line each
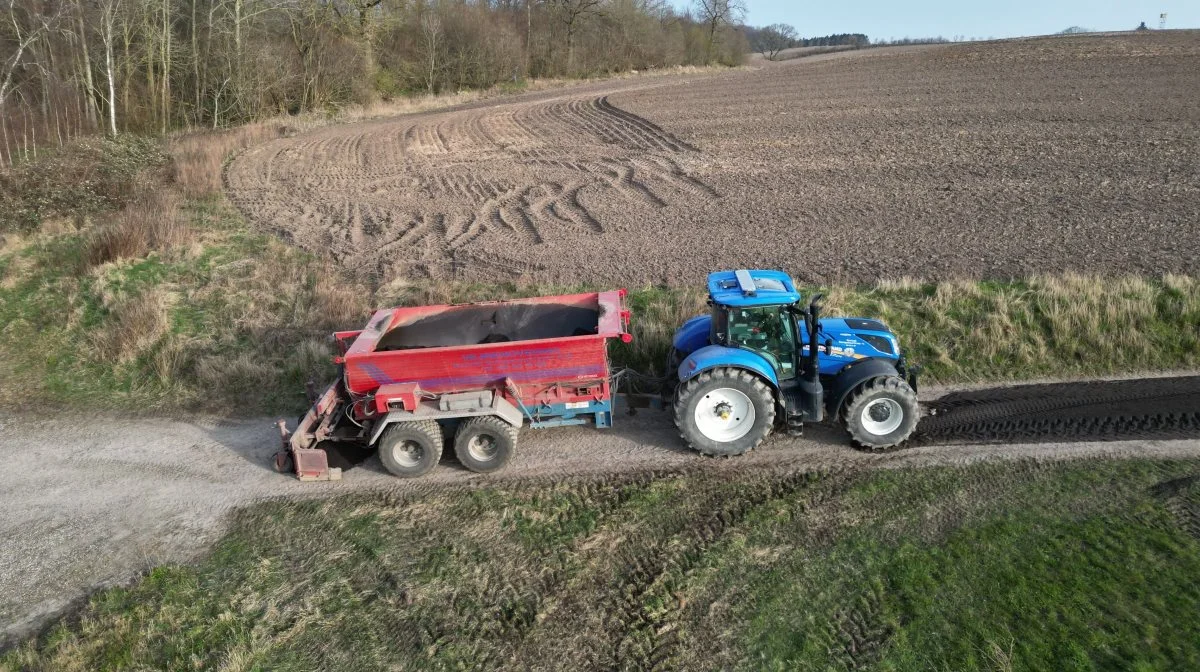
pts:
[485, 444]
[724, 412]
[411, 449]
[881, 414]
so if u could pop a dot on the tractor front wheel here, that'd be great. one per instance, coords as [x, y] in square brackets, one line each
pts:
[881, 414]
[724, 411]
[411, 449]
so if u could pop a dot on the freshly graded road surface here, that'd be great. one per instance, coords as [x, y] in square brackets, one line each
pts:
[91, 501]
[992, 160]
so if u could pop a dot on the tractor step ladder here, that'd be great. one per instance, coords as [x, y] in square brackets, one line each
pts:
[795, 425]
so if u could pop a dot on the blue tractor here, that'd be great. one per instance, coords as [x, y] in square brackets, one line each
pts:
[761, 355]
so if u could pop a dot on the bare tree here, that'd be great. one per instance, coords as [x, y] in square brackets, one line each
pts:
[431, 42]
[74, 66]
[108, 19]
[571, 12]
[774, 39]
[716, 15]
[24, 36]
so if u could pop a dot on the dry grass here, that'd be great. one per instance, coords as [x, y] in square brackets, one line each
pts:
[135, 326]
[198, 157]
[426, 103]
[152, 222]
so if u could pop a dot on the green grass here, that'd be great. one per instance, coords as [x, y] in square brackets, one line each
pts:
[1068, 566]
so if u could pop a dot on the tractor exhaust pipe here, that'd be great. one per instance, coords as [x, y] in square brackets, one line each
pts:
[812, 395]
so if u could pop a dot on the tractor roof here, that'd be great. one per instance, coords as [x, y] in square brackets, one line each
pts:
[752, 288]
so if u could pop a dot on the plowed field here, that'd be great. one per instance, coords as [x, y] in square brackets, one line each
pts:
[977, 160]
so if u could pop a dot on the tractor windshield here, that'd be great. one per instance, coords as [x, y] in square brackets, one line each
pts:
[770, 331]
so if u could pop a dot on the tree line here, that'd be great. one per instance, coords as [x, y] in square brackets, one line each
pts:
[772, 39]
[69, 67]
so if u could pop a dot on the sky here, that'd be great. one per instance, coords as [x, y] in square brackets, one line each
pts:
[888, 19]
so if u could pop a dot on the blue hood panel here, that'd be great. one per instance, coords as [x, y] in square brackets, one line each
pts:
[850, 345]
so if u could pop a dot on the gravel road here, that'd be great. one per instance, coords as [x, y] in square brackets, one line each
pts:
[92, 501]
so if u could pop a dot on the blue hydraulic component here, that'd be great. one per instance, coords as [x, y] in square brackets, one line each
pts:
[573, 413]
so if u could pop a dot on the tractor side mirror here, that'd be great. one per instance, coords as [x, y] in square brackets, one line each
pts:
[829, 346]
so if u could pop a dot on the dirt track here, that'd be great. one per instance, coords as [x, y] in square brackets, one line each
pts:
[93, 501]
[996, 160]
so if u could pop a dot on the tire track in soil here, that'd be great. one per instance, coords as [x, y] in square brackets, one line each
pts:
[1181, 497]
[515, 171]
[1154, 408]
[633, 586]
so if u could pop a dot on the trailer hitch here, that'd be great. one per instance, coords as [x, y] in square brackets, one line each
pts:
[301, 452]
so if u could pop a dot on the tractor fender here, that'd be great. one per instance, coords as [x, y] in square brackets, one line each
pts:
[852, 376]
[712, 356]
[693, 335]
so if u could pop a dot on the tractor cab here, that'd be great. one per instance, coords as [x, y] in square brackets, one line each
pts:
[756, 312]
[760, 332]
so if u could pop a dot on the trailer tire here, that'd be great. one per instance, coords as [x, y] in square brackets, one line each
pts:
[750, 402]
[411, 449]
[485, 444]
[870, 413]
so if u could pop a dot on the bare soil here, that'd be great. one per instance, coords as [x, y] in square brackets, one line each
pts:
[989, 160]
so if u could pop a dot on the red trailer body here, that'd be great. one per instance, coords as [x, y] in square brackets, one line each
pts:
[543, 360]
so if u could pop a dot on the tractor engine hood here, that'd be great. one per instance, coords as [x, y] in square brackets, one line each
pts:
[854, 338]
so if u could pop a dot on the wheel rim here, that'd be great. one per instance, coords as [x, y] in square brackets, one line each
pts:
[724, 415]
[882, 416]
[408, 453]
[483, 447]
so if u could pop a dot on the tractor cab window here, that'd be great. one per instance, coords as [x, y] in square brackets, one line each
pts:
[769, 331]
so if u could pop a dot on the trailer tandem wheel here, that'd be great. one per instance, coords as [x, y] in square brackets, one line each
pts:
[485, 444]
[411, 449]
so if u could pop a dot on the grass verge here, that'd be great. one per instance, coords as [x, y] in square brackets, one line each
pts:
[986, 567]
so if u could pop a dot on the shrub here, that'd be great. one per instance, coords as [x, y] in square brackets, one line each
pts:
[85, 177]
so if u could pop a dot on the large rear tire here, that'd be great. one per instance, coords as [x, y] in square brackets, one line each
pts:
[671, 376]
[724, 412]
[881, 414]
[411, 449]
[485, 444]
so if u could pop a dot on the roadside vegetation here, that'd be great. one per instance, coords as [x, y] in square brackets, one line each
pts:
[127, 281]
[1007, 566]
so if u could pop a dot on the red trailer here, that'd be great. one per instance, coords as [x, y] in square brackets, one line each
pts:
[477, 372]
